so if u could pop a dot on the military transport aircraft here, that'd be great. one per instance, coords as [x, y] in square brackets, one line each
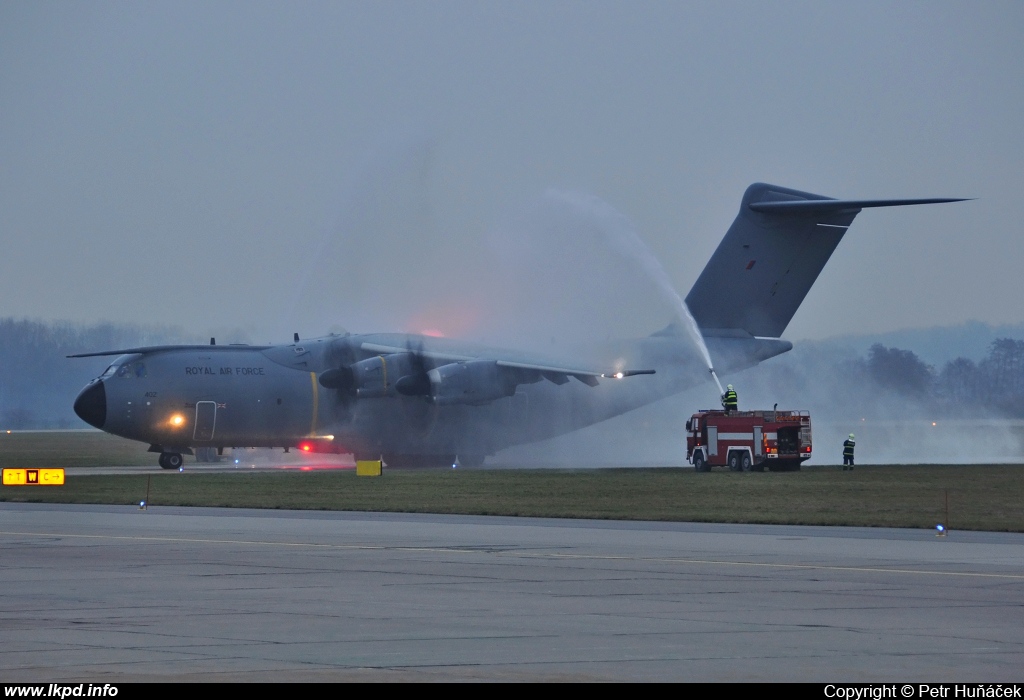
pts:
[423, 401]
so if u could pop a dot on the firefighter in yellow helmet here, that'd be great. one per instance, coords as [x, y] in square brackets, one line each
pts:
[730, 401]
[848, 446]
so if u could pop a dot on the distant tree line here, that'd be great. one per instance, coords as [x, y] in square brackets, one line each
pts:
[837, 383]
[38, 384]
[994, 386]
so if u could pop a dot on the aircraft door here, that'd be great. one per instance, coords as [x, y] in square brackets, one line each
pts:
[757, 440]
[712, 440]
[206, 420]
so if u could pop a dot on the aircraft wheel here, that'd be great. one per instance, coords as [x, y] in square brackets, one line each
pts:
[734, 461]
[207, 454]
[745, 462]
[171, 460]
[699, 463]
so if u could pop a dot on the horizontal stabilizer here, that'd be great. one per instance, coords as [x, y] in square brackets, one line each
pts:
[829, 205]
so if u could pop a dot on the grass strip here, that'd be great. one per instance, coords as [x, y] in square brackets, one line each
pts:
[981, 497]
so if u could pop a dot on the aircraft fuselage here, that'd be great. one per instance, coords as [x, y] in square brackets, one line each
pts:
[178, 399]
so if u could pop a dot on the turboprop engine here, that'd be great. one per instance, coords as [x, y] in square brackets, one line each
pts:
[474, 382]
[374, 377]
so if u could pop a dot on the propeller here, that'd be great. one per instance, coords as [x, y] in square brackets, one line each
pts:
[342, 380]
[417, 382]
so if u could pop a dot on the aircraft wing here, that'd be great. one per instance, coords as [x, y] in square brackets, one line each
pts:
[558, 374]
[170, 348]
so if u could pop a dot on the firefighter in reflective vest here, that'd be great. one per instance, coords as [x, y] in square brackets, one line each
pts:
[848, 453]
[730, 401]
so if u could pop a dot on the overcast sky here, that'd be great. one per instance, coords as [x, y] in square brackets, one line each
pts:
[215, 164]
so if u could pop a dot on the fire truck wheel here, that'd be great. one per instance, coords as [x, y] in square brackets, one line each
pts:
[745, 462]
[699, 464]
[734, 461]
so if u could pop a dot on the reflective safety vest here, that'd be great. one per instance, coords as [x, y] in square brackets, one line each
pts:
[730, 400]
[848, 448]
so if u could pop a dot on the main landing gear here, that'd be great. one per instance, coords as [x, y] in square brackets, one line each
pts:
[171, 460]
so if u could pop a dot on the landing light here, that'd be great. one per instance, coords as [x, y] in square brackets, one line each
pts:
[177, 420]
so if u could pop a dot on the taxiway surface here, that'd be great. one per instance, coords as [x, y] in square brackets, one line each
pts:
[101, 593]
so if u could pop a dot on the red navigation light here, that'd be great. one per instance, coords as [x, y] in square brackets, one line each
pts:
[305, 447]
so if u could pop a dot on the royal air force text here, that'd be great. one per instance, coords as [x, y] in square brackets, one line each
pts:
[232, 371]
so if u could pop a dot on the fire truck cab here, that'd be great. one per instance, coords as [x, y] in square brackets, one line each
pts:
[748, 440]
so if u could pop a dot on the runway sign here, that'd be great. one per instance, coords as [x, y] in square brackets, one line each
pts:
[33, 477]
[368, 467]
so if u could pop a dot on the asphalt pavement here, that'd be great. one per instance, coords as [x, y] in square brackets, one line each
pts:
[105, 593]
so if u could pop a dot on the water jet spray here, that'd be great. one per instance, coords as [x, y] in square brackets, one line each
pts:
[715, 377]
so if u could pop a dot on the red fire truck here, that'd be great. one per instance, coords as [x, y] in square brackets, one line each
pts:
[748, 440]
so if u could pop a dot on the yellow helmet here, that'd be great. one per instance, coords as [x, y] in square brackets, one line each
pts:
[729, 387]
[851, 436]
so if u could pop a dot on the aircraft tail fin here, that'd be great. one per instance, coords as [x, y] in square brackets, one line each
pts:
[770, 257]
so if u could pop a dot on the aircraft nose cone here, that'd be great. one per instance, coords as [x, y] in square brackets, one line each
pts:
[91, 405]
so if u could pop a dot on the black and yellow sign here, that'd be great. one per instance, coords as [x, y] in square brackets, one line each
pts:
[33, 477]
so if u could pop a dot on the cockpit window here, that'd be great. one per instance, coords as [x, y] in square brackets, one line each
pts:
[124, 366]
[132, 370]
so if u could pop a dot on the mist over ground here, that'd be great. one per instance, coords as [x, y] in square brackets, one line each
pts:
[902, 410]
